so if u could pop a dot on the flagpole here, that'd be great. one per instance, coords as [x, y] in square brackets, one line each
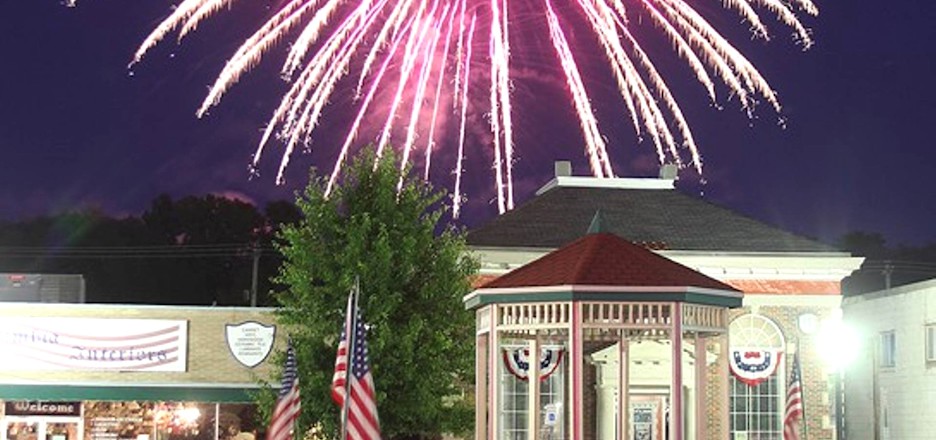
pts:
[802, 394]
[351, 333]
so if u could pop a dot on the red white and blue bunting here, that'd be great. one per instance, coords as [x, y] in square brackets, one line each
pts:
[517, 361]
[754, 366]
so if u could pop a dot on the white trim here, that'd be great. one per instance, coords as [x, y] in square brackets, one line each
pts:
[575, 288]
[773, 299]
[607, 182]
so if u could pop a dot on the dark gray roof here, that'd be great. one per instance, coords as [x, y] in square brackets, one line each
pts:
[657, 218]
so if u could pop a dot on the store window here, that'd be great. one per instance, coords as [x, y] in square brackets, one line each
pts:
[757, 381]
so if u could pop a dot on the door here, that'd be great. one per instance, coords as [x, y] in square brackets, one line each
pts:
[648, 417]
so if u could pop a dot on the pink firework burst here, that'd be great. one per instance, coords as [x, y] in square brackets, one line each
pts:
[421, 54]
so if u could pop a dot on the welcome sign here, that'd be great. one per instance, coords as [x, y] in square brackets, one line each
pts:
[45, 343]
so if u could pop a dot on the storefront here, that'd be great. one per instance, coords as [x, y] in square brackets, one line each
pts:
[106, 372]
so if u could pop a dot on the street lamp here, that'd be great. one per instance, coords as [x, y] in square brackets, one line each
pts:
[838, 344]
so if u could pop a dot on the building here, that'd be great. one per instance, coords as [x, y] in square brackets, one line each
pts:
[131, 372]
[67, 288]
[891, 386]
[790, 283]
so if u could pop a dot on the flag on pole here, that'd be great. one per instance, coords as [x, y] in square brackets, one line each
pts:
[354, 392]
[288, 402]
[793, 416]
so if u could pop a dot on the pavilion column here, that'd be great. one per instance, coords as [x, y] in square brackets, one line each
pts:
[623, 388]
[533, 389]
[481, 391]
[676, 391]
[576, 370]
[493, 422]
[701, 367]
[724, 383]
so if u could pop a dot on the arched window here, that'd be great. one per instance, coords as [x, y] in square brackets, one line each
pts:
[756, 384]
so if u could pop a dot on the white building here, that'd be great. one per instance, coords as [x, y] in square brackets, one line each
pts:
[890, 390]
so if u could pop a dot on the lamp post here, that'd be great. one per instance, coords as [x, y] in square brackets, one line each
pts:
[838, 345]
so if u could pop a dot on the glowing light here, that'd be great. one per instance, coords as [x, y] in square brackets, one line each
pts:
[403, 54]
[837, 342]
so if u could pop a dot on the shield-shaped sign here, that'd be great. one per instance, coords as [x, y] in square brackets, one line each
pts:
[250, 342]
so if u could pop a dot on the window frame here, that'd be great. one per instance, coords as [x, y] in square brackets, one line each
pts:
[753, 406]
[929, 341]
[887, 347]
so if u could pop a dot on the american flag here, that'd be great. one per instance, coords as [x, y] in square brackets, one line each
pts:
[360, 410]
[794, 403]
[288, 402]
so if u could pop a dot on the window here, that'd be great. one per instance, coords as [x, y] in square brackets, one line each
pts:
[931, 343]
[888, 350]
[756, 412]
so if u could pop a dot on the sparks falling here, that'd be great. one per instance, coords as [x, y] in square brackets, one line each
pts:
[417, 60]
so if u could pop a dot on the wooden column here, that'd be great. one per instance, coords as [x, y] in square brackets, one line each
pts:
[724, 382]
[676, 394]
[701, 381]
[494, 367]
[482, 368]
[624, 388]
[576, 382]
[533, 389]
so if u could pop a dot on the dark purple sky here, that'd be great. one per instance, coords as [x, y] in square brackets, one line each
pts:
[77, 129]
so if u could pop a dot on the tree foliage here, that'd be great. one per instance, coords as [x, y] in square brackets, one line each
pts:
[412, 280]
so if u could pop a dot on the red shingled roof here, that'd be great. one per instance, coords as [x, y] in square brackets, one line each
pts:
[604, 259]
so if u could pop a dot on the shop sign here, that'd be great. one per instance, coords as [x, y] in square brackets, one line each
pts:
[46, 343]
[37, 408]
[250, 342]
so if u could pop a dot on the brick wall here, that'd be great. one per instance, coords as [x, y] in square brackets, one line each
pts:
[816, 380]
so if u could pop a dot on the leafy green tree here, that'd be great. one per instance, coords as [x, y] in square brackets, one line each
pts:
[413, 274]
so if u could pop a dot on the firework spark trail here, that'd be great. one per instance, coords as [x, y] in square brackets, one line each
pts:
[421, 87]
[346, 147]
[495, 47]
[430, 143]
[456, 197]
[366, 39]
[593, 139]
[413, 46]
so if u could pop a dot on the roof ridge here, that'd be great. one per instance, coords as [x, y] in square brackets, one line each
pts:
[590, 242]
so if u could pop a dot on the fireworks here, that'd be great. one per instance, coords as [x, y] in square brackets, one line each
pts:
[409, 61]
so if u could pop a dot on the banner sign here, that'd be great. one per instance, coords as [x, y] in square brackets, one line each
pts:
[45, 343]
[37, 408]
[754, 366]
[518, 363]
[250, 342]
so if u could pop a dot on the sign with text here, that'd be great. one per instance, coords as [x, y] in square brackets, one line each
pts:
[250, 342]
[46, 343]
[37, 408]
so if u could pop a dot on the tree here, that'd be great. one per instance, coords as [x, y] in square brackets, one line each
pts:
[412, 282]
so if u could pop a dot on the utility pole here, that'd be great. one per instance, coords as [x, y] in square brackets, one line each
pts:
[253, 279]
[888, 270]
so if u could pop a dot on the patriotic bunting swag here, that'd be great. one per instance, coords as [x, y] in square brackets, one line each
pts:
[754, 366]
[517, 361]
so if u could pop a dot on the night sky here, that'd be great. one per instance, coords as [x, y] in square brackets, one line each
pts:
[80, 129]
